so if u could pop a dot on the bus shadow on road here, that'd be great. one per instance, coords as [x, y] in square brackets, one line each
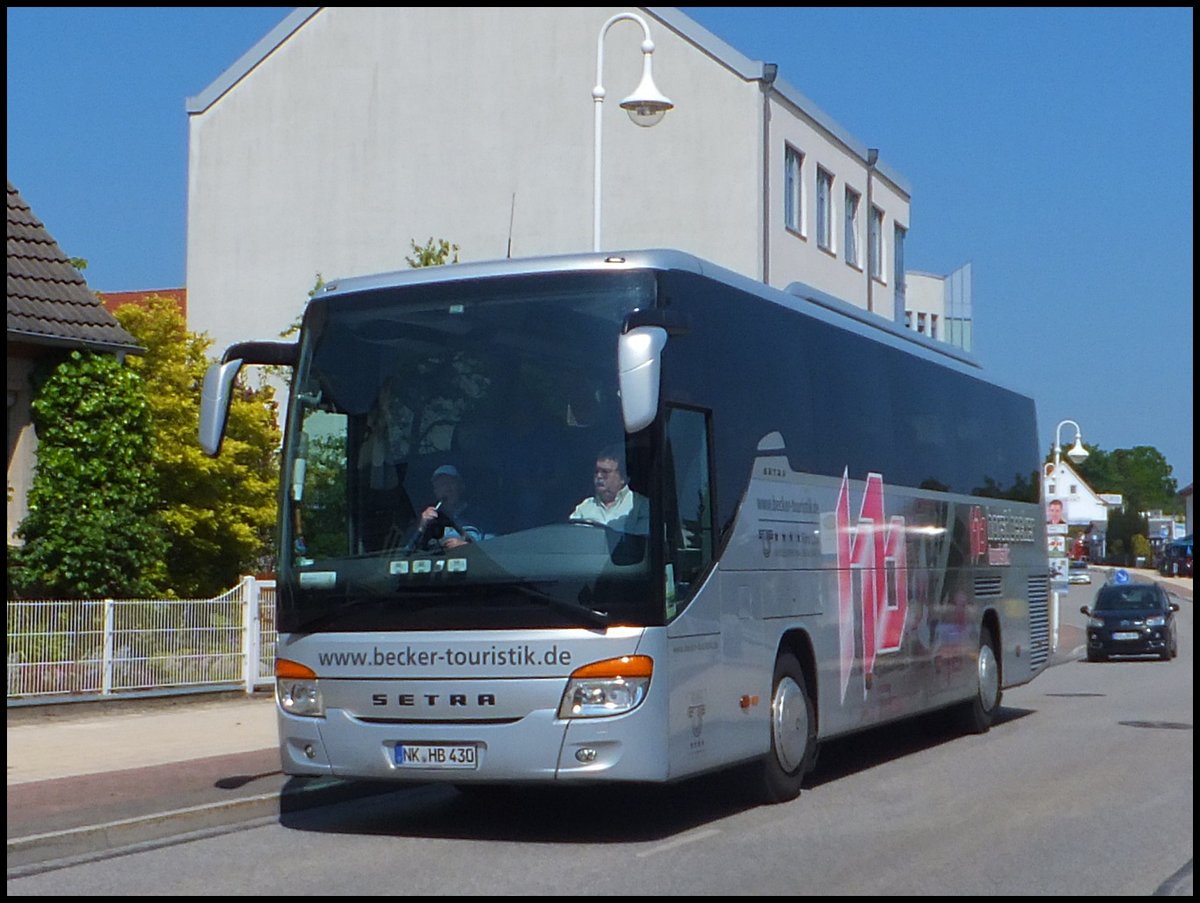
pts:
[605, 814]
[533, 814]
[876, 746]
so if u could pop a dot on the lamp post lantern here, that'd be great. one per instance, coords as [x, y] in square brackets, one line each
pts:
[646, 105]
[1078, 454]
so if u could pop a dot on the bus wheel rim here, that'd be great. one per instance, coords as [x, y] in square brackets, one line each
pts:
[989, 677]
[790, 727]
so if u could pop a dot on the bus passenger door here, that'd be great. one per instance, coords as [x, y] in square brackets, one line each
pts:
[698, 721]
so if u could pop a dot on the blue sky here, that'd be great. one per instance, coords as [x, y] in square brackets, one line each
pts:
[1050, 148]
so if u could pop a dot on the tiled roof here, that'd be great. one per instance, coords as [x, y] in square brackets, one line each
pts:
[114, 300]
[49, 302]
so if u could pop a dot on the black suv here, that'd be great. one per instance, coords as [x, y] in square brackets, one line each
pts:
[1131, 619]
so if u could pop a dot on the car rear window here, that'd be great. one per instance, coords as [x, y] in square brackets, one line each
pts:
[1128, 598]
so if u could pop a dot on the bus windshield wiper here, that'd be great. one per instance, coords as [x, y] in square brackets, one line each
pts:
[598, 618]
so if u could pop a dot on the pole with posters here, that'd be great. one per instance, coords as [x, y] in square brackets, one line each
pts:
[1056, 542]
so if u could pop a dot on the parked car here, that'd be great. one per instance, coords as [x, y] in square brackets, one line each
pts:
[1077, 571]
[1131, 619]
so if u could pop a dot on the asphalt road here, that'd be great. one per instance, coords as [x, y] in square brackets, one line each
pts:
[89, 824]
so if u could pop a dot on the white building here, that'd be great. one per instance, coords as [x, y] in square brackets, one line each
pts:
[1081, 505]
[348, 132]
[940, 306]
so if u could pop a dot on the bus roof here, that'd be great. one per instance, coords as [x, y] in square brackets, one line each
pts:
[798, 296]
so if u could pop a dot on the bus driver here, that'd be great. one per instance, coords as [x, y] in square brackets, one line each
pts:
[614, 504]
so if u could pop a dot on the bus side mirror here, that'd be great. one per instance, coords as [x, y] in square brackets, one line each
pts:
[1084, 611]
[639, 364]
[218, 385]
[214, 404]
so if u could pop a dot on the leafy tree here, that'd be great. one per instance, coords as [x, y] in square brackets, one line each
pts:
[1125, 524]
[432, 254]
[1140, 474]
[1142, 549]
[93, 528]
[218, 513]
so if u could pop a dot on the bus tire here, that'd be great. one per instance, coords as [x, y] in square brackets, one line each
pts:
[793, 733]
[980, 711]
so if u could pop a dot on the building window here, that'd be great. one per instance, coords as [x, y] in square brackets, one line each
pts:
[921, 323]
[793, 185]
[824, 209]
[876, 242]
[851, 242]
[933, 333]
[908, 319]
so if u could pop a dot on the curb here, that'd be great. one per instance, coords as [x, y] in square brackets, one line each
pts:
[43, 852]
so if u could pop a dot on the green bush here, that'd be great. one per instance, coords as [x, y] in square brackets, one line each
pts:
[92, 529]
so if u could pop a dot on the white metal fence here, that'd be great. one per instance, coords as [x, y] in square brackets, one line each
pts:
[81, 649]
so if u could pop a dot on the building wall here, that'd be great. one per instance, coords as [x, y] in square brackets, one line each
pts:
[926, 298]
[369, 128]
[364, 129]
[22, 438]
[940, 306]
[795, 253]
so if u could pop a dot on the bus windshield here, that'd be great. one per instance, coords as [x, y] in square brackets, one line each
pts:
[444, 442]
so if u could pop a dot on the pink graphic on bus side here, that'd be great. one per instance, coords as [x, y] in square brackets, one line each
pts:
[872, 557]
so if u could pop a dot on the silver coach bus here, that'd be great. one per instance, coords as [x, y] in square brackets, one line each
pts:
[825, 523]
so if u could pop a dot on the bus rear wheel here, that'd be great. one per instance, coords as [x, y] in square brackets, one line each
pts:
[979, 712]
[793, 734]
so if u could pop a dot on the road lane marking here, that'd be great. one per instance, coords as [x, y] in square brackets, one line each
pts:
[679, 842]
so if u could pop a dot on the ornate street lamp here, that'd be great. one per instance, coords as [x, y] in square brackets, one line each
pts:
[1078, 454]
[646, 105]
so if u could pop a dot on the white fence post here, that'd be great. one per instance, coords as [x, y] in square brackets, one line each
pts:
[107, 664]
[250, 645]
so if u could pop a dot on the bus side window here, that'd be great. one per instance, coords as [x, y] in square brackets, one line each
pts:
[687, 505]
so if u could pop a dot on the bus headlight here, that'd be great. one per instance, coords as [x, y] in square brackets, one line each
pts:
[1156, 621]
[297, 689]
[610, 687]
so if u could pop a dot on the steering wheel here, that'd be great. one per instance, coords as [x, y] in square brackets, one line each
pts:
[586, 522]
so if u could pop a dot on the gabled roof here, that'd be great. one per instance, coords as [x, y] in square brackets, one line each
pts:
[49, 302]
[1065, 475]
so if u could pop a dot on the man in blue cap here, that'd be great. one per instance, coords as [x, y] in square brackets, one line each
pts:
[450, 513]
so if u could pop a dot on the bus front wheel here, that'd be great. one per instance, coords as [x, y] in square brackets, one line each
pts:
[793, 733]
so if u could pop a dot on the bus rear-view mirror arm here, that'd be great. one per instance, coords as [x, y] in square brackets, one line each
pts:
[218, 385]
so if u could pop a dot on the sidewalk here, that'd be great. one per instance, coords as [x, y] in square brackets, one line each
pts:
[84, 778]
[88, 778]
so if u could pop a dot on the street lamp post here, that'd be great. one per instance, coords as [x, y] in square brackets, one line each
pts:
[1078, 454]
[646, 105]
